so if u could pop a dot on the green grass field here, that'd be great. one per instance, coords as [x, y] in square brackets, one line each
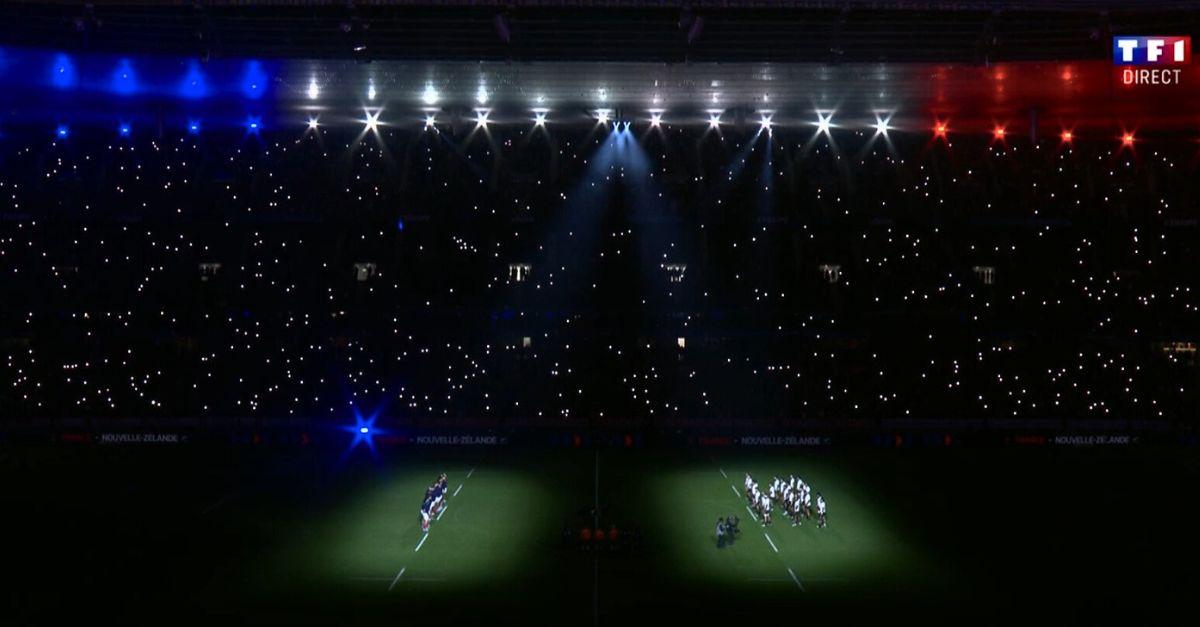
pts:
[309, 540]
[861, 547]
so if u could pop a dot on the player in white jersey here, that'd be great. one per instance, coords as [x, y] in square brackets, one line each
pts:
[820, 511]
[766, 510]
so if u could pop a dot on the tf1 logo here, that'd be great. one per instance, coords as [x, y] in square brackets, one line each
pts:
[1152, 60]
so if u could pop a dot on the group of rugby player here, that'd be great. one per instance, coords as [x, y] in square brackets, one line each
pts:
[435, 501]
[794, 496]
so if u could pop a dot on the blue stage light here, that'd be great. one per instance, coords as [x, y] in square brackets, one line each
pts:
[253, 124]
[123, 129]
[400, 225]
[194, 84]
[62, 72]
[193, 127]
[254, 80]
[364, 432]
[124, 80]
[62, 131]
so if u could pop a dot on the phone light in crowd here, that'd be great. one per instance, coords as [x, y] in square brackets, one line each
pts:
[313, 90]
[430, 95]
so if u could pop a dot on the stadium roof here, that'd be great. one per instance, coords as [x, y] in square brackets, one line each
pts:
[665, 31]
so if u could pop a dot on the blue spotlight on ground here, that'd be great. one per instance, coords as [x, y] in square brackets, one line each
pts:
[62, 131]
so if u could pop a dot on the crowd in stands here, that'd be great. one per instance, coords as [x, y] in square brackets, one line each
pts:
[565, 276]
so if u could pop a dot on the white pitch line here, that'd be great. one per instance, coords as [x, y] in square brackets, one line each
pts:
[423, 539]
[723, 473]
[772, 542]
[457, 489]
[398, 575]
[735, 492]
[442, 511]
[796, 579]
[470, 472]
[752, 513]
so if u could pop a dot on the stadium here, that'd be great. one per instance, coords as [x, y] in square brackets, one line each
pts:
[599, 312]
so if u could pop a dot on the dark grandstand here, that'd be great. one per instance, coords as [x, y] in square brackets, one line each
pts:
[598, 270]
